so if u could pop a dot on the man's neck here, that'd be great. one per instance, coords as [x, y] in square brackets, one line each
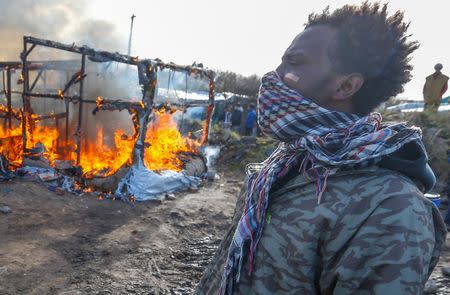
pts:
[341, 106]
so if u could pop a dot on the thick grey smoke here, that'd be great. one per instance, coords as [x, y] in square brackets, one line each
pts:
[60, 20]
[66, 21]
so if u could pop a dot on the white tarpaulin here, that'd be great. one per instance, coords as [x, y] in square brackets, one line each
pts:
[145, 184]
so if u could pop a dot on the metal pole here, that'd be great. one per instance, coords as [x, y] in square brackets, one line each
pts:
[131, 35]
[80, 109]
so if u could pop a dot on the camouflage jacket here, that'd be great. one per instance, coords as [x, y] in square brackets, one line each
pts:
[373, 233]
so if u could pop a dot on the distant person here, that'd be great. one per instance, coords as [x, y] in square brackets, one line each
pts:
[227, 118]
[435, 86]
[250, 121]
[236, 118]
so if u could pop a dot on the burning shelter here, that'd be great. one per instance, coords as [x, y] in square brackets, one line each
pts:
[100, 119]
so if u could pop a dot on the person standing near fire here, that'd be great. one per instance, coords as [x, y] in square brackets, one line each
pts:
[435, 86]
[250, 121]
[227, 118]
[339, 207]
[236, 118]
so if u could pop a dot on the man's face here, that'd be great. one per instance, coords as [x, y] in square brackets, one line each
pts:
[306, 67]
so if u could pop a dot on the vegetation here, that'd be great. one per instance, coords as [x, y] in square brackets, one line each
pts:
[238, 84]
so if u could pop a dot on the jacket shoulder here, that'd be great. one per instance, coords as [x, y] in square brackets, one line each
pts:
[359, 181]
[377, 181]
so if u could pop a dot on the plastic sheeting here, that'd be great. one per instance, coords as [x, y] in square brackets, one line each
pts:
[50, 178]
[146, 185]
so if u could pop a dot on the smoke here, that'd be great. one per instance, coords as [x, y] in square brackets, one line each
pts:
[211, 154]
[60, 20]
[66, 21]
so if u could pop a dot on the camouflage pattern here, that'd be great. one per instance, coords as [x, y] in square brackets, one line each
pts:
[373, 233]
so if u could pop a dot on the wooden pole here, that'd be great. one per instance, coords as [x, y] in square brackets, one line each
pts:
[80, 109]
[8, 96]
[25, 98]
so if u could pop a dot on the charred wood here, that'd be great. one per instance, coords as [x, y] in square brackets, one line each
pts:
[107, 184]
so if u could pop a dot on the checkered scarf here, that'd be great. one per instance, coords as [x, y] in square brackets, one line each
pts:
[314, 140]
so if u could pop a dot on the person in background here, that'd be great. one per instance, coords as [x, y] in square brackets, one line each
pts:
[250, 121]
[227, 118]
[435, 86]
[236, 118]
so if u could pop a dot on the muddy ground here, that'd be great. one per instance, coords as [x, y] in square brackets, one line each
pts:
[52, 244]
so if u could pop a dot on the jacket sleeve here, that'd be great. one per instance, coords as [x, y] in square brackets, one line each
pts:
[393, 251]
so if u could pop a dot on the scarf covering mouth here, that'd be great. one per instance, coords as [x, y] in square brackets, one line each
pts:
[314, 140]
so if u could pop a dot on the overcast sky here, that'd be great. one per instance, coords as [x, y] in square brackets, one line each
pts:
[245, 36]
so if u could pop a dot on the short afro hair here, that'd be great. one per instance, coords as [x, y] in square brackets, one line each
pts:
[372, 43]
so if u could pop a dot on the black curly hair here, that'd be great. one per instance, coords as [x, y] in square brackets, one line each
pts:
[372, 43]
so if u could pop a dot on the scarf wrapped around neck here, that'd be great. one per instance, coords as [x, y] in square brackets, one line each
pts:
[314, 140]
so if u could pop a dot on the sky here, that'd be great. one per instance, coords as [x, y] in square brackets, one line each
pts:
[250, 36]
[244, 36]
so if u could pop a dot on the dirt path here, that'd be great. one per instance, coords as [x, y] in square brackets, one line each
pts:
[54, 244]
[67, 244]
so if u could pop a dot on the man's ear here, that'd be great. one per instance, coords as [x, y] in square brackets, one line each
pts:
[347, 86]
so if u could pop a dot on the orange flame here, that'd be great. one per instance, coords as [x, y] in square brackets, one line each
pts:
[11, 145]
[20, 79]
[163, 140]
[99, 101]
[14, 112]
[47, 137]
[98, 159]
[165, 143]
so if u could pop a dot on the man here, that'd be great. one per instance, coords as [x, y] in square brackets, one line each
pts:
[236, 118]
[435, 86]
[250, 121]
[227, 118]
[338, 208]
